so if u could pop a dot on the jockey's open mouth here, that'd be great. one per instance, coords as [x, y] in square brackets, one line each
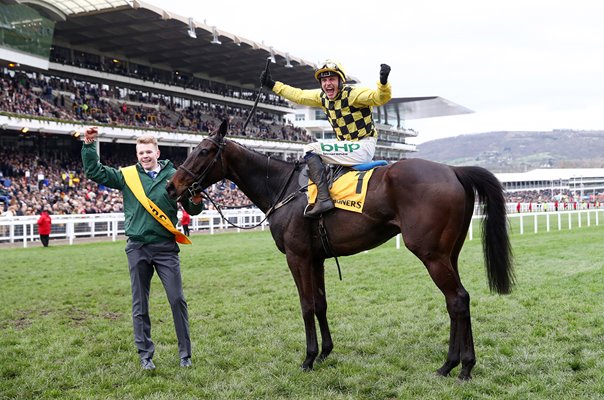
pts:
[330, 91]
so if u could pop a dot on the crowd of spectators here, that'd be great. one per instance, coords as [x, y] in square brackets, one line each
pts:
[54, 182]
[548, 200]
[542, 195]
[69, 99]
[31, 184]
[157, 75]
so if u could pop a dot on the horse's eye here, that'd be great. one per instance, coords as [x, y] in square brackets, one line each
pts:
[203, 152]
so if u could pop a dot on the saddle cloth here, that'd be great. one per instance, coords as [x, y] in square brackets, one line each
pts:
[348, 191]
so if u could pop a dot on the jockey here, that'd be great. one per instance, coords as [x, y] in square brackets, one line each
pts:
[348, 110]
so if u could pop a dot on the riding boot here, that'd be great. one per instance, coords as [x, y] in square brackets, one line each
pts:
[316, 172]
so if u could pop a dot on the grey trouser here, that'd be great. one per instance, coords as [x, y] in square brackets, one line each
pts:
[142, 259]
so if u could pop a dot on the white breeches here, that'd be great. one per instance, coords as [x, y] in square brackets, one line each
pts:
[344, 152]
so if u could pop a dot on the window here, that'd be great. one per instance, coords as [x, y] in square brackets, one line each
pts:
[320, 115]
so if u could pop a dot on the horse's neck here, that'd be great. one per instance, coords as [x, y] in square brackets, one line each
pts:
[258, 176]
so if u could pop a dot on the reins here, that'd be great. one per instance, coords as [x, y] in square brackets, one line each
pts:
[197, 179]
[195, 187]
[278, 203]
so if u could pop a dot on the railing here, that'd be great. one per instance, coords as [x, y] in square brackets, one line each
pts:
[546, 221]
[537, 222]
[78, 226]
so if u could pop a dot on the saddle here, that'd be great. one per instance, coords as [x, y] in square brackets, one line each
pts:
[334, 171]
[347, 184]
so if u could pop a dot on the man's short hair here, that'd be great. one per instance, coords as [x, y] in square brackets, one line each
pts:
[147, 139]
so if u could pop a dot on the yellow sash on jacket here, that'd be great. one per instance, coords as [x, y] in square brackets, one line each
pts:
[133, 181]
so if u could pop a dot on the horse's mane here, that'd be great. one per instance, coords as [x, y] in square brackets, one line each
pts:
[278, 160]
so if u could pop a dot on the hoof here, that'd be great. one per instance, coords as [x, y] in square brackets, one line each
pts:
[441, 372]
[322, 357]
[306, 368]
[464, 377]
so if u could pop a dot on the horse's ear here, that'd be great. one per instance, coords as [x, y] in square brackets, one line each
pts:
[222, 131]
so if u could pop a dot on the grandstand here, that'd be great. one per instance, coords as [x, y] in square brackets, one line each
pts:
[130, 68]
[557, 183]
[136, 48]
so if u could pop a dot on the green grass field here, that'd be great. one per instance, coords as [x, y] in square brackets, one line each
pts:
[65, 325]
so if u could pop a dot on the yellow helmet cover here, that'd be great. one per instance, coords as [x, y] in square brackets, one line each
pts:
[330, 68]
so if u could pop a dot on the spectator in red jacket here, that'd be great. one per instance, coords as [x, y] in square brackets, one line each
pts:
[185, 220]
[44, 223]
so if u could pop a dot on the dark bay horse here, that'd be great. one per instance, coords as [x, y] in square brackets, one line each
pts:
[431, 204]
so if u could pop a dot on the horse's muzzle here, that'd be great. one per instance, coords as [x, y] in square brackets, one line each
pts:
[171, 189]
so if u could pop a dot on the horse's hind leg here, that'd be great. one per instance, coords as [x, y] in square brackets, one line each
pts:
[321, 310]
[468, 357]
[461, 342]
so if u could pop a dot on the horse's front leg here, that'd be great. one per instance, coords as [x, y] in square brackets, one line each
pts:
[302, 273]
[321, 310]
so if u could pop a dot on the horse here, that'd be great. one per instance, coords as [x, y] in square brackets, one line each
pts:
[430, 204]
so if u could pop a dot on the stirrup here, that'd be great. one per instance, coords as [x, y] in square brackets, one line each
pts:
[307, 211]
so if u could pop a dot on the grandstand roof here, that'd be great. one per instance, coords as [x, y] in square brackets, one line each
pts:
[132, 30]
[423, 107]
[71, 7]
[140, 32]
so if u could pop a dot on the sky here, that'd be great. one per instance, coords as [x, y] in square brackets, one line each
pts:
[520, 65]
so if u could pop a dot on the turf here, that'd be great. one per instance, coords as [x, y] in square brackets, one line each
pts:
[66, 331]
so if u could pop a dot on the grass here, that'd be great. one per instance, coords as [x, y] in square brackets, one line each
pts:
[66, 332]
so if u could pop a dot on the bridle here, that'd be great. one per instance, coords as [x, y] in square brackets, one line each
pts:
[198, 178]
[196, 188]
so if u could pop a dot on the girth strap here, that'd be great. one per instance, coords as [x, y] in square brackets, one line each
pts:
[327, 244]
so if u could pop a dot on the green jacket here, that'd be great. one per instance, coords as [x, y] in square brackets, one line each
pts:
[140, 226]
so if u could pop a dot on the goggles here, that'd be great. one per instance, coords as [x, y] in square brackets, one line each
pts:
[325, 74]
[330, 68]
[330, 65]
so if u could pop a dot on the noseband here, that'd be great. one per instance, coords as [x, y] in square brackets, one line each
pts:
[198, 178]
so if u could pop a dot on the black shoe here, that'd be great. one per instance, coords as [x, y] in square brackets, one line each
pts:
[185, 362]
[147, 364]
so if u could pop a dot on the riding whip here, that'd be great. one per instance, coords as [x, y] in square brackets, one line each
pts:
[268, 63]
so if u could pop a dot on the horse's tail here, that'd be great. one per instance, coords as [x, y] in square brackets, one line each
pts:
[495, 241]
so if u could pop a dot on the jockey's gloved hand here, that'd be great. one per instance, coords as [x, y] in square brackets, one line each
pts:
[266, 80]
[384, 72]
